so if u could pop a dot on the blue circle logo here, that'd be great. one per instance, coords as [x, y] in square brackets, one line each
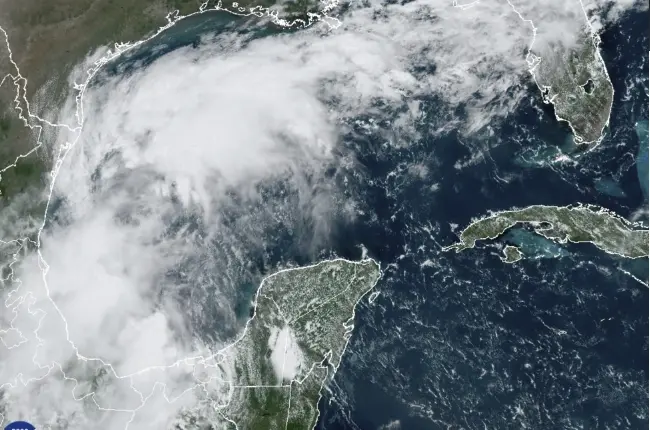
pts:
[20, 425]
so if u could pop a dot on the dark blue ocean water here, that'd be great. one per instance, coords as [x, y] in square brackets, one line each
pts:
[642, 156]
[463, 340]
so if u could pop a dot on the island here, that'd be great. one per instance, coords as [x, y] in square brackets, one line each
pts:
[511, 254]
[580, 223]
[292, 345]
[575, 81]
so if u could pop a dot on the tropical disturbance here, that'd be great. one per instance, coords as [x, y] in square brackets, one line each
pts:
[242, 215]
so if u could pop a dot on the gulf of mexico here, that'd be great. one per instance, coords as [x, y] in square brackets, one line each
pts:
[464, 340]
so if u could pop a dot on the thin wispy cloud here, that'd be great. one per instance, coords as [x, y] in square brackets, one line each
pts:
[185, 169]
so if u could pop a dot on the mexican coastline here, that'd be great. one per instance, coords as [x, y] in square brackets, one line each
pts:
[556, 340]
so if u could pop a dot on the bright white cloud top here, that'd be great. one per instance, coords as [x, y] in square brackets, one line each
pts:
[180, 166]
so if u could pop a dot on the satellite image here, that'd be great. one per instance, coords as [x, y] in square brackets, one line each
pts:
[324, 214]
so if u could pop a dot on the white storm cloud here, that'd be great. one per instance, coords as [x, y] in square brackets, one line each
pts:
[166, 187]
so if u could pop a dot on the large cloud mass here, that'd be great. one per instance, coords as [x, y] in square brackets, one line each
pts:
[185, 168]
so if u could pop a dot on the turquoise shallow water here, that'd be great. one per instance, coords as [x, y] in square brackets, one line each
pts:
[534, 245]
[609, 186]
[463, 340]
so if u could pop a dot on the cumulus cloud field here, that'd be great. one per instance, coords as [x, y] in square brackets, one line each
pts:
[182, 170]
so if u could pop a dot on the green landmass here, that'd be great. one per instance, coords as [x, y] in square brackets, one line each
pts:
[511, 254]
[604, 229]
[302, 322]
[574, 79]
[21, 166]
